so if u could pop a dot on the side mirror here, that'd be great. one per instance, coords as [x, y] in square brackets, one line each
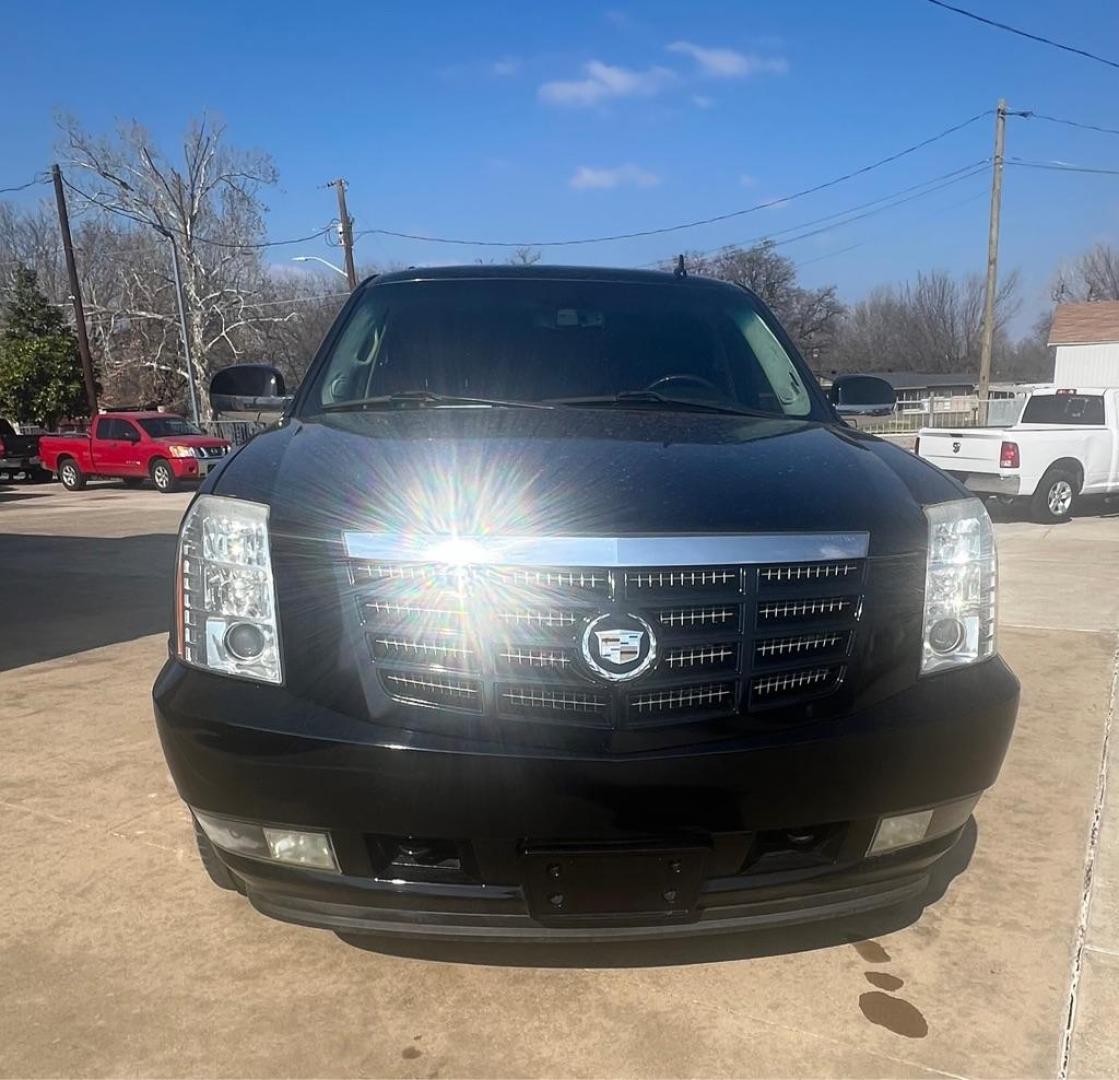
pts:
[862, 395]
[249, 388]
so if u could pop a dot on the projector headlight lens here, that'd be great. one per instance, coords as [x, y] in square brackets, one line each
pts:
[961, 576]
[226, 595]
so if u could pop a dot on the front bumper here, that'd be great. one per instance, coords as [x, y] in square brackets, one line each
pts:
[191, 468]
[258, 753]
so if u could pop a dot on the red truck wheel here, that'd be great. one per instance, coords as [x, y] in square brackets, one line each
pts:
[162, 476]
[72, 477]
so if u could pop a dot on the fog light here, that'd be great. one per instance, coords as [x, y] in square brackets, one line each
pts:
[945, 635]
[900, 831]
[245, 641]
[301, 848]
[271, 842]
[903, 830]
[239, 837]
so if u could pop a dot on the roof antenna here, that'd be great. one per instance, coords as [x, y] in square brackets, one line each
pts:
[681, 270]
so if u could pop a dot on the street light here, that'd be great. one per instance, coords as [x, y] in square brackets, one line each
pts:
[315, 258]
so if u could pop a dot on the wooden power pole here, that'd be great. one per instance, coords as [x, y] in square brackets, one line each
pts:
[75, 291]
[988, 336]
[346, 229]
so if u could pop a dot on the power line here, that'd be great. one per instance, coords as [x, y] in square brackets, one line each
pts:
[688, 224]
[1023, 33]
[1031, 115]
[197, 239]
[965, 172]
[924, 217]
[1062, 166]
[23, 187]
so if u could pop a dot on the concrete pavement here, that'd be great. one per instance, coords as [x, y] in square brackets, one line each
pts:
[117, 956]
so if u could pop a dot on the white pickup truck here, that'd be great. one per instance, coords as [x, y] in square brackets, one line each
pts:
[1066, 444]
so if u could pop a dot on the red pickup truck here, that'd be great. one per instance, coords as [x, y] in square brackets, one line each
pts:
[134, 446]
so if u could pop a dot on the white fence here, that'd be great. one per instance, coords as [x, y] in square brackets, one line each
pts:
[948, 412]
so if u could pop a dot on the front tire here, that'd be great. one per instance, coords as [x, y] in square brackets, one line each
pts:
[1055, 496]
[71, 475]
[162, 476]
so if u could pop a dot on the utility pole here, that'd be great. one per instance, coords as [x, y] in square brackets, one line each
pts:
[183, 327]
[988, 335]
[346, 230]
[75, 292]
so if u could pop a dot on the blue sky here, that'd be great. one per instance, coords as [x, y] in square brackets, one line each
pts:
[550, 121]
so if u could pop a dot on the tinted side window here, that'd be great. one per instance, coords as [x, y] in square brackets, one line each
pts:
[1086, 409]
[106, 429]
[127, 430]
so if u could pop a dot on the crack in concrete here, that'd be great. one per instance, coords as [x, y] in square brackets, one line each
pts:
[1081, 943]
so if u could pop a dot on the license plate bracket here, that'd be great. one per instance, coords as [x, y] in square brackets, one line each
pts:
[565, 883]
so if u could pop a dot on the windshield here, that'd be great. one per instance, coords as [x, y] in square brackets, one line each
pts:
[1084, 409]
[554, 340]
[160, 427]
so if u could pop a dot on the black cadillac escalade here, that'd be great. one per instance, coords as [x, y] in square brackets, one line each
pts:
[561, 604]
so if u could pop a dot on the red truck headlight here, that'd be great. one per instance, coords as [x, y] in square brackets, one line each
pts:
[177, 450]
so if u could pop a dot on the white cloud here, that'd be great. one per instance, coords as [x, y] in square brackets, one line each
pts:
[746, 180]
[604, 81]
[729, 64]
[702, 101]
[588, 178]
[505, 67]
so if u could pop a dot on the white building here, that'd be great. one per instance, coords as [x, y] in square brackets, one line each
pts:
[1086, 337]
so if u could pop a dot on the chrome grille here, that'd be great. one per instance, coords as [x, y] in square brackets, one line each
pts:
[795, 682]
[554, 700]
[434, 690]
[673, 580]
[447, 654]
[505, 643]
[516, 656]
[691, 656]
[597, 581]
[782, 610]
[528, 617]
[767, 650]
[809, 571]
[703, 698]
[694, 617]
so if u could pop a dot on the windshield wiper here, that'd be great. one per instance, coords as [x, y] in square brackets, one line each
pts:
[425, 398]
[651, 397]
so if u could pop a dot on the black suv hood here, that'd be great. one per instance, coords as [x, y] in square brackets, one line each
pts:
[591, 472]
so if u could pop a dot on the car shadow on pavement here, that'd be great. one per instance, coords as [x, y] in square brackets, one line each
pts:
[665, 952]
[66, 594]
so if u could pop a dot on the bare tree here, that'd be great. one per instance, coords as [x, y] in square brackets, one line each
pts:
[810, 316]
[932, 324]
[1094, 275]
[208, 204]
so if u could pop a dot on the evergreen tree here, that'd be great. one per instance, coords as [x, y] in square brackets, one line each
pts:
[40, 368]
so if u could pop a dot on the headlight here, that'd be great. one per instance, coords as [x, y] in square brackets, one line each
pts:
[177, 450]
[225, 595]
[960, 580]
